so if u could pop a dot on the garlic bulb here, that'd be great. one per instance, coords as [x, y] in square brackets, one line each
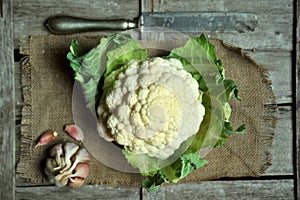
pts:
[68, 164]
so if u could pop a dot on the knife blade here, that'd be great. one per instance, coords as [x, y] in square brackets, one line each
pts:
[178, 21]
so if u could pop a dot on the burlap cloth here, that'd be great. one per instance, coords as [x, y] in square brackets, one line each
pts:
[47, 82]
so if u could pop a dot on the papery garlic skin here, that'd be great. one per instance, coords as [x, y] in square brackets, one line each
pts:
[76, 182]
[50, 170]
[75, 132]
[46, 138]
[81, 156]
[57, 153]
[82, 170]
[68, 164]
[70, 150]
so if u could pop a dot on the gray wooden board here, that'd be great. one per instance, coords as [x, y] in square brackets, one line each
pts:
[275, 20]
[30, 15]
[85, 192]
[297, 95]
[7, 104]
[250, 6]
[254, 189]
[281, 151]
[273, 32]
[279, 65]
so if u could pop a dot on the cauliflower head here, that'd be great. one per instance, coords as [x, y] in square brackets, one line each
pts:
[153, 107]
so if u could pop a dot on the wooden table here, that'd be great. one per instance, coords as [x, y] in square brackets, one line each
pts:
[274, 44]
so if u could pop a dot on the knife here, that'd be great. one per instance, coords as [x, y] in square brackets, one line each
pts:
[180, 21]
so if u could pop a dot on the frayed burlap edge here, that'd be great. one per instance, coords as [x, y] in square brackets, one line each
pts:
[270, 112]
[26, 136]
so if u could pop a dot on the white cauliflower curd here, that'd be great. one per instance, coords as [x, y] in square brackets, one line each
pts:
[153, 107]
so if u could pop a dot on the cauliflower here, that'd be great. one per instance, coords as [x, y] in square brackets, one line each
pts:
[152, 109]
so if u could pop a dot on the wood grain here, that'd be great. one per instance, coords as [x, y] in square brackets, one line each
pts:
[219, 6]
[31, 15]
[254, 189]
[7, 104]
[275, 20]
[85, 192]
[279, 65]
[281, 151]
[297, 96]
[274, 30]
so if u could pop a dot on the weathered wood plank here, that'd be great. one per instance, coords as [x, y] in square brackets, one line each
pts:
[254, 189]
[18, 89]
[274, 31]
[297, 95]
[85, 192]
[279, 65]
[250, 6]
[30, 15]
[7, 104]
[265, 38]
[31, 9]
[282, 149]
[275, 20]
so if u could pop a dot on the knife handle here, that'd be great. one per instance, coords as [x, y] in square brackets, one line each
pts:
[69, 25]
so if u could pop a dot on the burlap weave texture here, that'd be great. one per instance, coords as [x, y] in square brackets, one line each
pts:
[47, 82]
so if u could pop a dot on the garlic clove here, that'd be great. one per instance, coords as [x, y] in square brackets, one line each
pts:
[62, 176]
[49, 169]
[57, 153]
[81, 156]
[81, 170]
[51, 164]
[46, 138]
[62, 181]
[70, 149]
[75, 132]
[76, 182]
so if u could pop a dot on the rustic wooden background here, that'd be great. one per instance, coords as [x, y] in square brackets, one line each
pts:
[273, 44]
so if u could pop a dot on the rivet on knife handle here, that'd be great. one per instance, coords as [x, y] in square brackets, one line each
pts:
[69, 25]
